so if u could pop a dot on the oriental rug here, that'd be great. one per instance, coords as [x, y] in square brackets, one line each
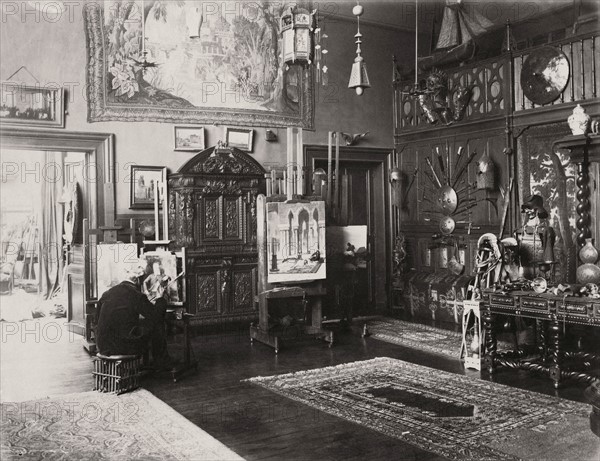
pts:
[94, 426]
[444, 413]
[418, 336]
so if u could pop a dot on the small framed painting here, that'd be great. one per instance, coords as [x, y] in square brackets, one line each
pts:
[189, 138]
[240, 138]
[142, 181]
[28, 105]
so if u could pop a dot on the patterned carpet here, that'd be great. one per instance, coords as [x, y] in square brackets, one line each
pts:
[93, 426]
[418, 336]
[445, 413]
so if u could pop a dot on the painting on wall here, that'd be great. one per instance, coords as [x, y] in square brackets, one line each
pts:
[296, 241]
[191, 62]
[30, 105]
[143, 180]
[189, 139]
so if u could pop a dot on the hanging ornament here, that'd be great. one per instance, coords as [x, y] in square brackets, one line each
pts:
[359, 80]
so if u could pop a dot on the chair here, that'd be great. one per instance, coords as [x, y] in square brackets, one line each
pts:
[116, 373]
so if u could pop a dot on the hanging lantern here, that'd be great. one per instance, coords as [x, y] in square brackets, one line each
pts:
[302, 42]
[297, 26]
[359, 80]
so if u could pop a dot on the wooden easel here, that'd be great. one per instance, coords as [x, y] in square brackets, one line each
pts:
[311, 293]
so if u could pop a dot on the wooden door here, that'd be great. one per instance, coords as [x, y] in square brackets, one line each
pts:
[367, 204]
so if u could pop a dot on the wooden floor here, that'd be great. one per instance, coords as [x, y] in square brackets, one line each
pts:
[254, 422]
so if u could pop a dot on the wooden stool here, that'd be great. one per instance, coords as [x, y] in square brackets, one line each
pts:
[116, 373]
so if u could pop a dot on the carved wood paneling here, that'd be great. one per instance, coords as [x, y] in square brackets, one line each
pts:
[211, 217]
[206, 293]
[243, 290]
[213, 206]
[232, 218]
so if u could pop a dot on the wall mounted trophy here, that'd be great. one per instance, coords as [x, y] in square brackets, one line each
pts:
[545, 75]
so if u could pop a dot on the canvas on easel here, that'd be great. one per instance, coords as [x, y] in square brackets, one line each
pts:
[112, 260]
[165, 273]
[296, 241]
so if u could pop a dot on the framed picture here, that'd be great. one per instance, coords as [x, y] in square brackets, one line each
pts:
[26, 105]
[296, 241]
[142, 180]
[189, 138]
[239, 138]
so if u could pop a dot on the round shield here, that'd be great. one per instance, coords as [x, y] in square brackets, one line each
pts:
[545, 74]
[447, 225]
[447, 199]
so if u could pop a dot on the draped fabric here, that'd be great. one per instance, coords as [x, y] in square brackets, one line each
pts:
[460, 25]
[51, 228]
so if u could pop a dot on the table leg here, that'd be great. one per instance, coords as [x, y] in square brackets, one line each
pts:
[555, 352]
[490, 340]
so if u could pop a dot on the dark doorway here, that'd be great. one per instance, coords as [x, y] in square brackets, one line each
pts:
[366, 198]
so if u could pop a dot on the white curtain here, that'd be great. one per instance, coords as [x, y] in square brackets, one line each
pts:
[51, 229]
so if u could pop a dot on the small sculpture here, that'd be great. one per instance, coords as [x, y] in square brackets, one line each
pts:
[351, 139]
[578, 121]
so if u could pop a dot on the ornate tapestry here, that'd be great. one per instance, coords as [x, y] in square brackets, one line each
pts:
[550, 173]
[192, 61]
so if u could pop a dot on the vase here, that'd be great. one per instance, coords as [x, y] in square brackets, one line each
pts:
[588, 273]
[578, 121]
[588, 253]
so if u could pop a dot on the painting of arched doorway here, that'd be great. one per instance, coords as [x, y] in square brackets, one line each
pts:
[296, 236]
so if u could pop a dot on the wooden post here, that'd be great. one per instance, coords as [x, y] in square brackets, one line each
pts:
[329, 171]
[336, 194]
[290, 162]
[156, 220]
[300, 162]
[164, 198]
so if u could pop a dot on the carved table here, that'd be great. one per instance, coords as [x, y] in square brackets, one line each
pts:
[551, 314]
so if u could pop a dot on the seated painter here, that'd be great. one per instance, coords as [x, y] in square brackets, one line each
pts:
[128, 322]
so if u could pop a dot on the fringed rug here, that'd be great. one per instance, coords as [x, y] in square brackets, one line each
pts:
[445, 413]
[419, 336]
[94, 426]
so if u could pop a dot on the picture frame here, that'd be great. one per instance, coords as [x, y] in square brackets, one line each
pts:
[240, 138]
[141, 185]
[31, 105]
[189, 138]
[296, 241]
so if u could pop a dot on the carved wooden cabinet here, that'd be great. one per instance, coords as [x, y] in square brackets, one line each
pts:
[212, 212]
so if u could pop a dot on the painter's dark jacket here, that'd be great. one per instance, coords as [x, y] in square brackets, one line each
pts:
[120, 329]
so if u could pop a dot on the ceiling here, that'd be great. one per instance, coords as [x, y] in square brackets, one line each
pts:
[401, 14]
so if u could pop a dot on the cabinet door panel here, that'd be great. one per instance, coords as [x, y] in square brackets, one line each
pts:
[244, 289]
[205, 292]
[233, 219]
[210, 223]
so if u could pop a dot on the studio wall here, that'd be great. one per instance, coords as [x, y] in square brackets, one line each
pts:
[53, 49]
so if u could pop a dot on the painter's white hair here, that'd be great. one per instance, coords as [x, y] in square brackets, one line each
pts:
[131, 270]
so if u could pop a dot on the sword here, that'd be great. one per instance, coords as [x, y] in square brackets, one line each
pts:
[437, 180]
[412, 180]
[465, 166]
